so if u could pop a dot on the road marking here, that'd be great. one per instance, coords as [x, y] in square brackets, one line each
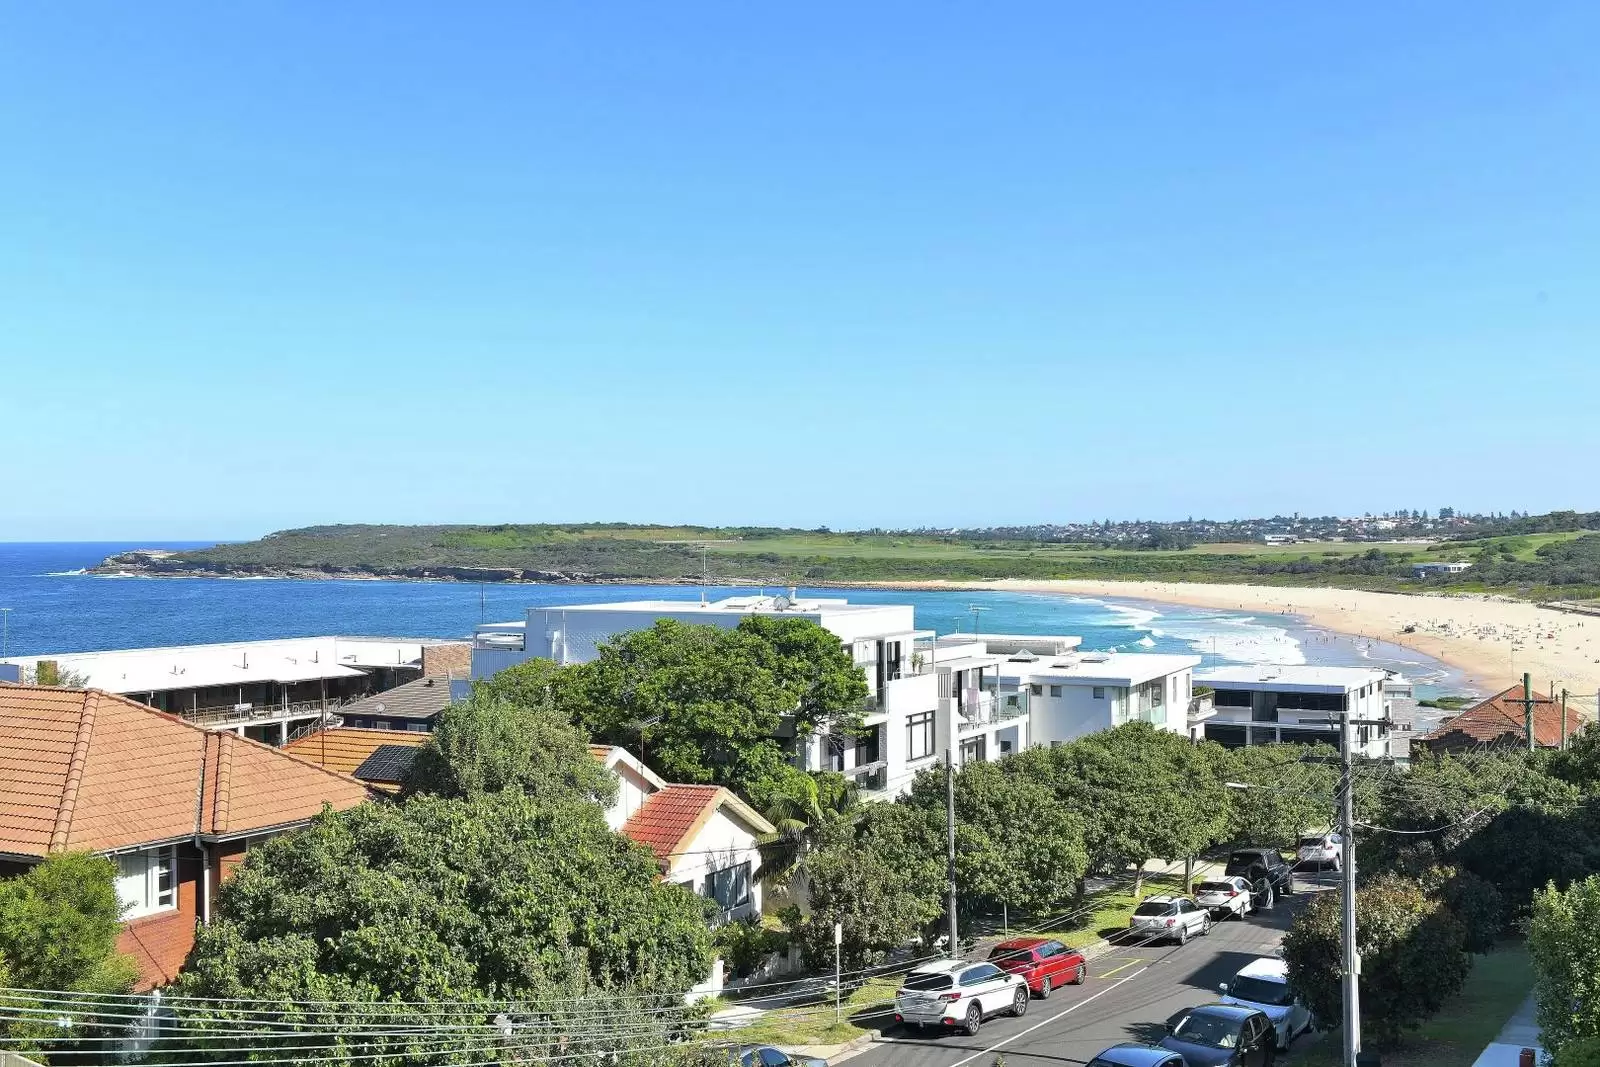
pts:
[1114, 970]
[1046, 1022]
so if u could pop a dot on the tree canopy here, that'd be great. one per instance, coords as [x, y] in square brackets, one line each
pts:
[1564, 941]
[488, 743]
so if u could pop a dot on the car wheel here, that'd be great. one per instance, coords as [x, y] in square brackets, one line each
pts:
[974, 1021]
[1019, 1002]
[1269, 900]
[1183, 934]
[1080, 974]
[1044, 988]
[1205, 926]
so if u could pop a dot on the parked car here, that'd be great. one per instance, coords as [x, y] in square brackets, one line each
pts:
[1221, 1035]
[1129, 1054]
[767, 1056]
[1262, 864]
[959, 993]
[1324, 850]
[1223, 897]
[1163, 918]
[1043, 963]
[1263, 984]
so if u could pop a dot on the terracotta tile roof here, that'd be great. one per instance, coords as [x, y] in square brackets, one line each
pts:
[83, 769]
[1492, 719]
[344, 748]
[670, 817]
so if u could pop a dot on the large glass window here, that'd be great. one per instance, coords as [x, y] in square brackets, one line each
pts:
[147, 881]
[919, 735]
[1231, 698]
[730, 887]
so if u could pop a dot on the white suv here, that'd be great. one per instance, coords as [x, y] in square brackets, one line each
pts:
[956, 993]
[1324, 850]
[1162, 918]
[1263, 984]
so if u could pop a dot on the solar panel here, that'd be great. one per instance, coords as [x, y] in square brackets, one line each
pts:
[388, 763]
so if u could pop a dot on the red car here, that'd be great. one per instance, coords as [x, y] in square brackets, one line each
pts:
[1043, 962]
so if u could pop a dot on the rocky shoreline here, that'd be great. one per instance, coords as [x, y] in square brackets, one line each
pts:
[155, 563]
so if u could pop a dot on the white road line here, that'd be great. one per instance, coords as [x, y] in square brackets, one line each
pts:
[1046, 1022]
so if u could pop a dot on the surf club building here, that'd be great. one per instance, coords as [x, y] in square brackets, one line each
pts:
[1300, 704]
[978, 696]
[268, 691]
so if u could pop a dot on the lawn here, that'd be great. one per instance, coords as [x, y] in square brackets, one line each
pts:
[1497, 986]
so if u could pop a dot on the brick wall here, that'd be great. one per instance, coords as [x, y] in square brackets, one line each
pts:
[160, 943]
[454, 659]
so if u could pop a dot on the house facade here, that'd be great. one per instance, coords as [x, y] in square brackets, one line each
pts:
[1070, 695]
[1264, 704]
[174, 806]
[1501, 721]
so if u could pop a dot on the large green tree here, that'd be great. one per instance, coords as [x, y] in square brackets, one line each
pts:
[1288, 790]
[59, 924]
[1142, 793]
[880, 877]
[1413, 955]
[1017, 844]
[487, 743]
[1564, 941]
[702, 703]
[482, 901]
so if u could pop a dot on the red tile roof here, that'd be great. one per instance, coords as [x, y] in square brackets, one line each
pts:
[344, 748]
[670, 817]
[1504, 714]
[83, 769]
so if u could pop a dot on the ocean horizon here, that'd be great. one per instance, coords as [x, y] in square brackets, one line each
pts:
[55, 607]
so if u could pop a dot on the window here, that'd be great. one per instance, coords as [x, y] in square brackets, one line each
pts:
[1231, 698]
[1036, 690]
[919, 735]
[730, 887]
[1055, 690]
[147, 880]
[1099, 692]
[771, 1057]
[983, 972]
[1158, 690]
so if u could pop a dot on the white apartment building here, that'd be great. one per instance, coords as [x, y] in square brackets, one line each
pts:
[1078, 693]
[926, 694]
[1265, 704]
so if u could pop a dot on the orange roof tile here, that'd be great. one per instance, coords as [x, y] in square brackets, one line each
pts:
[83, 769]
[1504, 714]
[671, 816]
[344, 748]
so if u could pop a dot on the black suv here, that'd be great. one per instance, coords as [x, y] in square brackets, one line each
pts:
[1258, 865]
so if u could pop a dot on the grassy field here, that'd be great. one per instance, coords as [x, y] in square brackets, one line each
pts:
[1497, 986]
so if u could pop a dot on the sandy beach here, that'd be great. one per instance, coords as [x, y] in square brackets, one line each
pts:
[1493, 640]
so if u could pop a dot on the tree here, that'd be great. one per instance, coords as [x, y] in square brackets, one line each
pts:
[1017, 845]
[1290, 792]
[1579, 762]
[1413, 955]
[492, 899]
[1523, 848]
[882, 879]
[486, 744]
[529, 684]
[706, 704]
[59, 923]
[1564, 941]
[50, 673]
[1142, 793]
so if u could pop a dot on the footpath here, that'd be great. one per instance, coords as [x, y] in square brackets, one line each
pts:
[1520, 1031]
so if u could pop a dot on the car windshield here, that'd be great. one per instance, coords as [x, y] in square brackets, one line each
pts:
[1260, 990]
[1216, 887]
[1203, 1029]
[1152, 909]
[922, 982]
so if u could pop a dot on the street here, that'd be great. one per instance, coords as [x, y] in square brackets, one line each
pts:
[1128, 996]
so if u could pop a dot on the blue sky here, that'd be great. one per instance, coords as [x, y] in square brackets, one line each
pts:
[271, 264]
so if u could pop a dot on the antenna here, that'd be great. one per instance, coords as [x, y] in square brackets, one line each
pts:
[975, 608]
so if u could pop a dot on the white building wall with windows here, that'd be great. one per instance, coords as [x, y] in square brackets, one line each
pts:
[1273, 704]
[722, 863]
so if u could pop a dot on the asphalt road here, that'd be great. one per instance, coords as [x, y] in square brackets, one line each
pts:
[1128, 996]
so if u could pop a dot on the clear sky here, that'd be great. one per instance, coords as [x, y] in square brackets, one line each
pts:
[270, 264]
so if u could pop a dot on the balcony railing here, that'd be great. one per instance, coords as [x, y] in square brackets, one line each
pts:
[235, 714]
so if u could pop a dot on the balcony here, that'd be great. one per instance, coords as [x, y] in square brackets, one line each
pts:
[246, 714]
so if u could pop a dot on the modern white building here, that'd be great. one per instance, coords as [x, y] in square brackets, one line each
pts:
[1434, 569]
[926, 694]
[1266, 704]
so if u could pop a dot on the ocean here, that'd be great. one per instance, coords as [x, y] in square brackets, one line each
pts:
[55, 607]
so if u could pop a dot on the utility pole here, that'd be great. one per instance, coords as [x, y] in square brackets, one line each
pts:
[1347, 879]
[1527, 708]
[1563, 718]
[950, 846]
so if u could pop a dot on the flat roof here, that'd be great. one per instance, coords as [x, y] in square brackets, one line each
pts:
[299, 659]
[1301, 676]
[1111, 668]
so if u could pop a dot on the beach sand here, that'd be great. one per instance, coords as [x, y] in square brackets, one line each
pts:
[1492, 639]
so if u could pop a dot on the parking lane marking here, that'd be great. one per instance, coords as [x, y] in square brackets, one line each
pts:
[1114, 970]
[1046, 1022]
